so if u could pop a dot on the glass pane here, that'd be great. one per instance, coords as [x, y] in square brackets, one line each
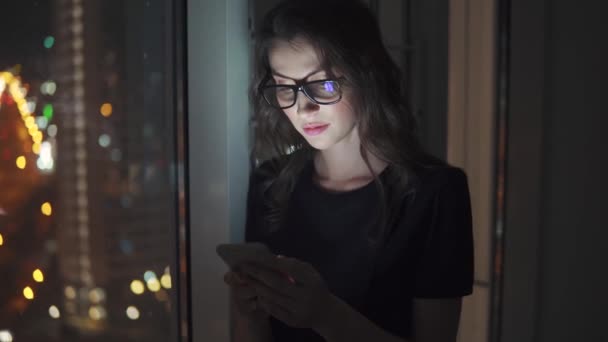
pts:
[89, 171]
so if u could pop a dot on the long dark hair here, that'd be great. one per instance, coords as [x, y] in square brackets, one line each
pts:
[347, 38]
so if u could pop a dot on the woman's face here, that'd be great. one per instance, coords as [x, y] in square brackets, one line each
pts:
[323, 126]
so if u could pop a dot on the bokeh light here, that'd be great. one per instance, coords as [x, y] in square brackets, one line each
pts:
[46, 209]
[148, 275]
[106, 109]
[132, 313]
[6, 336]
[38, 276]
[52, 131]
[137, 287]
[54, 312]
[21, 162]
[97, 312]
[97, 295]
[47, 111]
[70, 292]
[28, 293]
[153, 285]
[49, 41]
[165, 281]
[1, 240]
[104, 140]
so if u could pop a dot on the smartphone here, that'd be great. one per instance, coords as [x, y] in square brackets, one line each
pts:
[234, 254]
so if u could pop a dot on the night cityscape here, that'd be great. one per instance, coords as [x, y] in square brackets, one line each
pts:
[87, 165]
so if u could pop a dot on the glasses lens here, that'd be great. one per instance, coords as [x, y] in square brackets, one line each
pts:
[324, 91]
[279, 97]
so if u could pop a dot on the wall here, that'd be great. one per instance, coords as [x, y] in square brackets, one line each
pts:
[555, 257]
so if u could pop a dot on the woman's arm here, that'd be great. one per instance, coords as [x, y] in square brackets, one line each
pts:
[435, 320]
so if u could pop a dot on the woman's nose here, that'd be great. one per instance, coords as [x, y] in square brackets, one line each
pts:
[305, 105]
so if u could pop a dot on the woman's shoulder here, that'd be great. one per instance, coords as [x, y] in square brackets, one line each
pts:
[270, 168]
[439, 178]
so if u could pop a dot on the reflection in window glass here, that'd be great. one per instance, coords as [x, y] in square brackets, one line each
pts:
[88, 190]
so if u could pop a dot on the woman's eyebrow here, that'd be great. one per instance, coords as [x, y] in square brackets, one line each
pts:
[275, 73]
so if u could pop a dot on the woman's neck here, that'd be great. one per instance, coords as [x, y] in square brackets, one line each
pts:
[343, 163]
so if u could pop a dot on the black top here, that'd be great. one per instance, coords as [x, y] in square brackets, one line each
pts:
[428, 252]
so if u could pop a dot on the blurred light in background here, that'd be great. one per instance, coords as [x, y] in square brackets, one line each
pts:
[38, 276]
[21, 162]
[6, 336]
[52, 131]
[153, 285]
[49, 42]
[132, 313]
[28, 293]
[45, 161]
[165, 281]
[97, 312]
[1, 240]
[69, 292]
[148, 275]
[104, 140]
[48, 88]
[46, 209]
[137, 287]
[54, 312]
[47, 111]
[42, 122]
[106, 109]
[97, 295]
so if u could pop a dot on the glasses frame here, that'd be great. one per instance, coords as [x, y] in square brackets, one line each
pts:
[301, 86]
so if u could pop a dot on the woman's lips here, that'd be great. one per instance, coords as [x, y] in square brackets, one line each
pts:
[315, 129]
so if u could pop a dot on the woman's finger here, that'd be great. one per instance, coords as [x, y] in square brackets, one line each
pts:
[275, 310]
[264, 291]
[272, 279]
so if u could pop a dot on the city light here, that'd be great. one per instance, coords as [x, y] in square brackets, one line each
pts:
[97, 312]
[132, 313]
[97, 295]
[48, 88]
[104, 140]
[36, 148]
[69, 292]
[49, 42]
[137, 287]
[47, 111]
[153, 285]
[42, 122]
[46, 209]
[18, 93]
[6, 336]
[148, 275]
[52, 131]
[165, 281]
[28, 293]
[21, 162]
[54, 312]
[106, 109]
[45, 161]
[1, 240]
[38, 276]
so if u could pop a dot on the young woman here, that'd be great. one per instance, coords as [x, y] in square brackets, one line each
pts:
[372, 235]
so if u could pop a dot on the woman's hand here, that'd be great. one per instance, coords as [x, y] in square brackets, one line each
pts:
[243, 295]
[290, 290]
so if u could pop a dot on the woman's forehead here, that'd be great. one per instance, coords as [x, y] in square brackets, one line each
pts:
[296, 59]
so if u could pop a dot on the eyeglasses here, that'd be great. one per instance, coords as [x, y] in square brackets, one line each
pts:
[283, 96]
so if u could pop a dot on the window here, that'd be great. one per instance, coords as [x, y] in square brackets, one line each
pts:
[91, 171]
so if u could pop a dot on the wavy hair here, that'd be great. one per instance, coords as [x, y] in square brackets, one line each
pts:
[347, 39]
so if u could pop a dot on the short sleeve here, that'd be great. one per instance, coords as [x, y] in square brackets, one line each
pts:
[446, 265]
